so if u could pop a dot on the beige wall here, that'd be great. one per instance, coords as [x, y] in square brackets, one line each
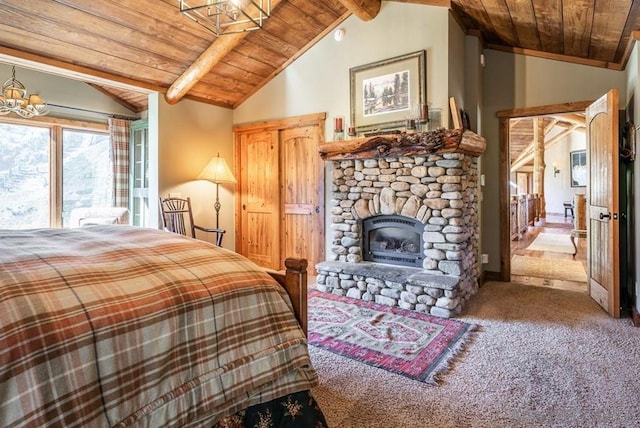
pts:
[188, 134]
[474, 76]
[318, 81]
[515, 81]
[457, 64]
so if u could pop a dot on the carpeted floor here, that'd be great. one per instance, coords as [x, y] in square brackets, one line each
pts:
[542, 358]
[566, 270]
[552, 242]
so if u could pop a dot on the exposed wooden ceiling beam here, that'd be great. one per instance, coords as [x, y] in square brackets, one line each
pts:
[526, 155]
[550, 126]
[523, 160]
[208, 59]
[366, 10]
[575, 118]
[515, 121]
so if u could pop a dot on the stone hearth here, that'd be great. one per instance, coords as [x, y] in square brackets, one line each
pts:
[439, 189]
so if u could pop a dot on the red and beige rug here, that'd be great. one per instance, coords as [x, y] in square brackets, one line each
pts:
[412, 344]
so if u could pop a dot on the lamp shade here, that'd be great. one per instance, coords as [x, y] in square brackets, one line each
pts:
[217, 171]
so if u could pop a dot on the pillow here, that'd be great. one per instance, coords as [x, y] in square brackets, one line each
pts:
[93, 221]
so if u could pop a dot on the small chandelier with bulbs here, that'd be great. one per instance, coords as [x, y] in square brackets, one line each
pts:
[14, 99]
[227, 16]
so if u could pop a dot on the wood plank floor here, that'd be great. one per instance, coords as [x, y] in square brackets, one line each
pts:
[557, 225]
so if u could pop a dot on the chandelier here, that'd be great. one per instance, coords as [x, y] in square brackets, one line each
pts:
[227, 16]
[14, 99]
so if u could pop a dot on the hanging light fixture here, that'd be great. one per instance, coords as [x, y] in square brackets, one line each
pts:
[14, 99]
[227, 16]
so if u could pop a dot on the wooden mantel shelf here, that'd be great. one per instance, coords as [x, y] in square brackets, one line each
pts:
[395, 145]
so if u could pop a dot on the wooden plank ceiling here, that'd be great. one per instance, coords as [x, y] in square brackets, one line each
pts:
[148, 44]
[591, 32]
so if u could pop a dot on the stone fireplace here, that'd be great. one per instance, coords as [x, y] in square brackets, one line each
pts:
[404, 221]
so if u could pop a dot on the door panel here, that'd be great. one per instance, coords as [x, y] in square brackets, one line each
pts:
[602, 202]
[302, 194]
[259, 198]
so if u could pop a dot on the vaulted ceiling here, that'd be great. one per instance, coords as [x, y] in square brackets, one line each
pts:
[118, 45]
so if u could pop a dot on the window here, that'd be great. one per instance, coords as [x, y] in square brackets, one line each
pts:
[87, 174]
[25, 183]
[30, 155]
[139, 173]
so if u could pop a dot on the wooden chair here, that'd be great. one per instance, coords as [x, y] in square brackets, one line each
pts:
[177, 217]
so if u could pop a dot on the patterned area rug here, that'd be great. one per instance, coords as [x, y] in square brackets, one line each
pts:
[419, 346]
[566, 270]
[553, 242]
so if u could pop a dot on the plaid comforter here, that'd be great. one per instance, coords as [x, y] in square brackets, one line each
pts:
[121, 326]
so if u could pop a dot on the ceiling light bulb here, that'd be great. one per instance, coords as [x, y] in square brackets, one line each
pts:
[338, 35]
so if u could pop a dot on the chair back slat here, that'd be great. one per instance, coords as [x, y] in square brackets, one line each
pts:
[173, 215]
[177, 217]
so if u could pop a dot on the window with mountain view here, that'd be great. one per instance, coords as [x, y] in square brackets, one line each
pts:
[29, 157]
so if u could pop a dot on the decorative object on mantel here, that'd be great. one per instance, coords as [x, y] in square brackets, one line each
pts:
[403, 144]
[455, 113]
[217, 171]
[227, 16]
[338, 128]
[383, 92]
[411, 344]
[14, 99]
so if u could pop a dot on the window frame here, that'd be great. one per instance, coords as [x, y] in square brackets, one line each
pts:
[56, 127]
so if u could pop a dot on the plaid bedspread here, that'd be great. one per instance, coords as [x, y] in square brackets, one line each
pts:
[121, 326]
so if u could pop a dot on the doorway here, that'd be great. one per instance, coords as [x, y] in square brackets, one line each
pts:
[537, 223]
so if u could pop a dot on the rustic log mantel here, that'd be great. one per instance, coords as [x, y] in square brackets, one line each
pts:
[395, 145]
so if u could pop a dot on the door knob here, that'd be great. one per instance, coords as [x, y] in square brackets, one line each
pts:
[603, 216]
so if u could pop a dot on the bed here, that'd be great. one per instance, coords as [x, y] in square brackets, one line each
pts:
[117, 326]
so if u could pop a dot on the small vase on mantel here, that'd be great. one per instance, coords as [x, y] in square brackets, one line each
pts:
[338, 129]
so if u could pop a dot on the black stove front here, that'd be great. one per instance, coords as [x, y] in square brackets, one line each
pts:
[393, 239]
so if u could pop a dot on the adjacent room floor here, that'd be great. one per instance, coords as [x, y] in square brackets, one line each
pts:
[553, 224]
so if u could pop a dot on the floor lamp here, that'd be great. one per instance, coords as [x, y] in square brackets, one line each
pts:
[217, 171]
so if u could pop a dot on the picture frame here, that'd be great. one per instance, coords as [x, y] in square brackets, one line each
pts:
[384, 92]
[578, 168]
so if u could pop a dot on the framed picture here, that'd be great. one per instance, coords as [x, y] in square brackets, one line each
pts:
[578, 162]
[384, 92]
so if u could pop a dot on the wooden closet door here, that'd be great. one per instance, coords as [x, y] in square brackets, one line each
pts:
[302, 179]
[259, 198]
[280, 190]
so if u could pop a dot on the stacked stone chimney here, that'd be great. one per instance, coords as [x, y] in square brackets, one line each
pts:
[441, 191]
